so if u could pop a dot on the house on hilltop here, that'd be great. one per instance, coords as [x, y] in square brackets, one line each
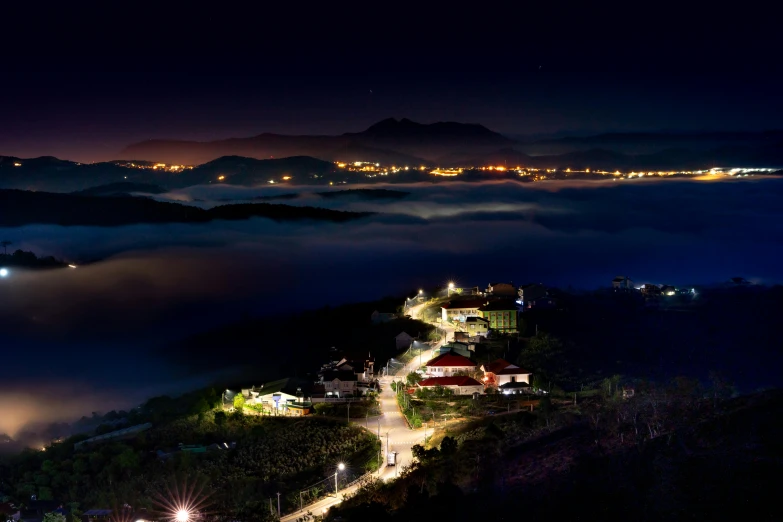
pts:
[459, 310]
[476, 326]
[501, 290]
[501, 372]
[622, 283]
[447, 364]
[340, 384]
[289, 396]
[501, 314]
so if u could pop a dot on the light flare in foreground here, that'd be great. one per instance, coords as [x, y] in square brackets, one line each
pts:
[183, 502]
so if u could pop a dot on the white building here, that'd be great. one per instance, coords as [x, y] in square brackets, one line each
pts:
[276, 396]
[500, 372]
[340, 384]
[447, 364]
[461, 309]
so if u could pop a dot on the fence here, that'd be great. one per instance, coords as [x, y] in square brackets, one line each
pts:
[304, 510]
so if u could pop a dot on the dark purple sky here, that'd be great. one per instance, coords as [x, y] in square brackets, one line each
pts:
[81, 85]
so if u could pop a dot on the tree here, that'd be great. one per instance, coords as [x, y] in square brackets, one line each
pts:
[413, 378]
[448, 446]
[54, 517]
[239, 401]
[220, 418]
[543, 356]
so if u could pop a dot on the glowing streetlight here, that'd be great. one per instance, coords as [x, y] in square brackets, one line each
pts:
[183, 515]
[451, 286]
[340, 467]
[421, 292]
[3, 272]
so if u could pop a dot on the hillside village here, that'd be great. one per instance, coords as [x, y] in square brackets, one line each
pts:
[476, 355]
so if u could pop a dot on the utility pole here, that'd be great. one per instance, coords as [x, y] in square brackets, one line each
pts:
[278, 505]
[271, 511]
[349, 411]
[301, 505]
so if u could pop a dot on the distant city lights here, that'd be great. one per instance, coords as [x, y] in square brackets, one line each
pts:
[373, 169]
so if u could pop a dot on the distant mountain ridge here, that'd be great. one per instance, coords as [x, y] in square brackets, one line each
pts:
[405, 142]
[398, 141]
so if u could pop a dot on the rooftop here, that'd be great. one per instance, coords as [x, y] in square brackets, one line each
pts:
[514, 370]
[346, 375]
[461, 380]
[450, 360]
[496, 366]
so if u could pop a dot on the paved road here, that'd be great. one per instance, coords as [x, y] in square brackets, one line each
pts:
[391, 425]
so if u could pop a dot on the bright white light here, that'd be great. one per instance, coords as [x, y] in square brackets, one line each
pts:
[72, 266]
[3, 272]
[451, 285]
[183, 515]
[341, 466]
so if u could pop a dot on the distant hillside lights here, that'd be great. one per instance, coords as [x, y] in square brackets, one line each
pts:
[154, 166]
[446, 172]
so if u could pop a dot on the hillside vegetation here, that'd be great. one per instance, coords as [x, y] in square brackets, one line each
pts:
[272, 454]
[671, 452]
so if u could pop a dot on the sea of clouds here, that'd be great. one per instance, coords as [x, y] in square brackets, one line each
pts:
[99, 324]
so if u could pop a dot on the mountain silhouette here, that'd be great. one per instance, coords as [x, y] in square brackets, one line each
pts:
[408, 139]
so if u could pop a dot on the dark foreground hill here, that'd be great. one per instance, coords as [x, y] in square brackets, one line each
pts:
[25, 208]
[121, 189]
[665, 454]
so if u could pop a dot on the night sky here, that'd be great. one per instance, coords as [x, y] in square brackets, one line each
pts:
[82, 85]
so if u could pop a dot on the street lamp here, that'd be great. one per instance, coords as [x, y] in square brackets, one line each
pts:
[3, 272]
[340, 467]
[183, 515]
[451, 287]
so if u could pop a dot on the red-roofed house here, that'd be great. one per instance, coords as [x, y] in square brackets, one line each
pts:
[447, 364]
[461, 385]
[500, 372]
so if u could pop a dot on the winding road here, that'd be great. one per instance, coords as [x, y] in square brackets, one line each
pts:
[391, 426]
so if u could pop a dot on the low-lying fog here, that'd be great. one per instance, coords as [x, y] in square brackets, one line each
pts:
[74, 341]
